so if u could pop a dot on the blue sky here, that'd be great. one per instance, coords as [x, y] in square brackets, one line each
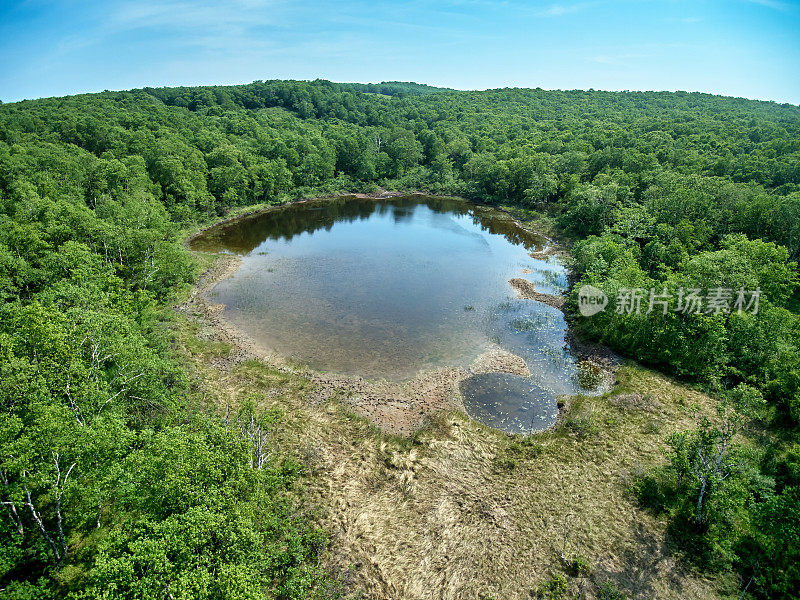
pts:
[747, 48]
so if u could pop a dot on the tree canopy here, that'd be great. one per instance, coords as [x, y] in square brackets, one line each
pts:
[112, 487]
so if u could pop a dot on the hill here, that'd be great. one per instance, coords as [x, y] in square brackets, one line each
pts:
[122, 475]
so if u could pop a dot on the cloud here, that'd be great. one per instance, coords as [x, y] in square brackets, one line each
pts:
[617, 60]
[183, 15]
[559, 10]
[774, 4]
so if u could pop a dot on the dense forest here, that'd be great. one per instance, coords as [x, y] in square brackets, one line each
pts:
[114, 477]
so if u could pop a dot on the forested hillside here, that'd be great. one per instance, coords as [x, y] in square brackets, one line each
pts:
[115, 477]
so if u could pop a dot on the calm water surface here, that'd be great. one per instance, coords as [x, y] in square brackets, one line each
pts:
[386, 288]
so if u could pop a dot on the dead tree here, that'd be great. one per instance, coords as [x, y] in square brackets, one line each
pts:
[59, 545]
[254, 430]
[121, 383]
[712, 464]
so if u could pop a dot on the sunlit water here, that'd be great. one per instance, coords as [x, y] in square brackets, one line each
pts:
[387, 288]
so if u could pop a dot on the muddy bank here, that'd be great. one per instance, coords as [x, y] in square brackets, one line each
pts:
[526, 290]
[384, 195]
[597, 354]
[547, 251]
[497, 360]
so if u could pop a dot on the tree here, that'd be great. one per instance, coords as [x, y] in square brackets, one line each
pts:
[705, 458]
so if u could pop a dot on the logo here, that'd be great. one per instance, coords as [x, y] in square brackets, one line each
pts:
[591, 300]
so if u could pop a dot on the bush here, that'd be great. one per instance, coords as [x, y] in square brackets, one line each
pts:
[608, 591]
[580, 566]
[582, 421]
[554, 588]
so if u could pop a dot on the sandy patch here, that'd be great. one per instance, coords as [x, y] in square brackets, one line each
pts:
[546, 252]
[497, 360]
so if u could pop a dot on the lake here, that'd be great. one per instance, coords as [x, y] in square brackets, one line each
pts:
[384, 289]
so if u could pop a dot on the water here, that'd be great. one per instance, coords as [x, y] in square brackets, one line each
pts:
[386, 288]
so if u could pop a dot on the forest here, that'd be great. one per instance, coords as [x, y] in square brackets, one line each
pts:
[116, 475]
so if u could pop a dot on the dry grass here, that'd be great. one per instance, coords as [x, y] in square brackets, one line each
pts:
[460, 511]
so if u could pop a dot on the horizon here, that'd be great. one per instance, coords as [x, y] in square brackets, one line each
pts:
[737, 48]
[432, 85]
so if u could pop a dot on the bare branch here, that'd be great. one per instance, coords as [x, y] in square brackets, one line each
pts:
[10, 505]
[39, 522]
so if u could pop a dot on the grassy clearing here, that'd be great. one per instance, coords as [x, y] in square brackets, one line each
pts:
[458, 510]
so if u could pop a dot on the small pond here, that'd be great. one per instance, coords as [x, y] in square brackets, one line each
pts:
[387, 288]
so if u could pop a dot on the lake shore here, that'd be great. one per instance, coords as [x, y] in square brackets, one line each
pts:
[398, 407]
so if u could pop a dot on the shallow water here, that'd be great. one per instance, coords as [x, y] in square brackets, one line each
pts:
[386, 288]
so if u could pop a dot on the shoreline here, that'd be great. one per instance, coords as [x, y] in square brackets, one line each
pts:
[526, 290]
[398, 407]
[549, 249]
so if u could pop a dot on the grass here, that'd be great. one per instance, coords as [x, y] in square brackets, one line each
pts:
[458, 510]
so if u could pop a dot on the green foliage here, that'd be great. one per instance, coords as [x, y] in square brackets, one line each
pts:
[774, 558]
[656, 190]
[608, 591]
[203, 524]
[580, 566]
[555, 588]
[109, 487]
[717, 498]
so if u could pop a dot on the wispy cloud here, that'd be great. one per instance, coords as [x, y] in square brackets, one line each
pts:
[774, 4]
[617, 60]
[235, 26]
[183, 15]
[559, 10]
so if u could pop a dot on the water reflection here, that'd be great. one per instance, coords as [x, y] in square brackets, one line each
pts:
[242, 236]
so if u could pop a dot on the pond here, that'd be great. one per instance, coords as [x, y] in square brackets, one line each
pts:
[384, 289]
